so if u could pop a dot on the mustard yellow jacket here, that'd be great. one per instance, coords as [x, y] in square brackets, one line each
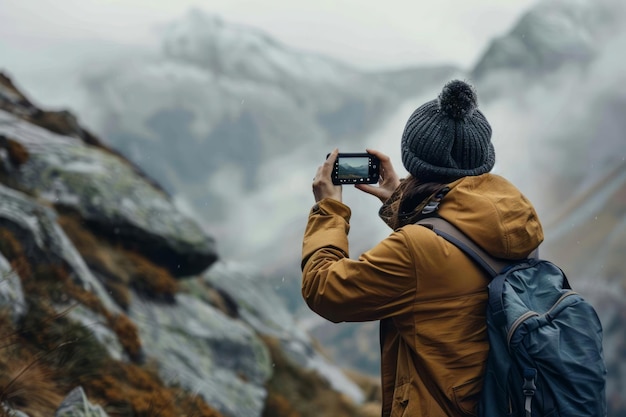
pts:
[429, 297]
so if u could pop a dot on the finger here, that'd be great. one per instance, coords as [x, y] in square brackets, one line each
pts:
[370, 189]
[329, 163]
[332, 157]
[376, 153]
[366, 188]
[385, 162]
[388, 177]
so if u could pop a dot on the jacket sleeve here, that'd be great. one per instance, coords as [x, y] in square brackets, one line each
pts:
[380, 284]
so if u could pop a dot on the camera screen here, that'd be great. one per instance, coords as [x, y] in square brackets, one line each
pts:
[351, 168]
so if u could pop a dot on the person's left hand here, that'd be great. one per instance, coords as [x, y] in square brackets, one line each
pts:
[323, 186]
[388, 181]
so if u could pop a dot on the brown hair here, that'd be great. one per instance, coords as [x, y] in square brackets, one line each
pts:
[410, 194]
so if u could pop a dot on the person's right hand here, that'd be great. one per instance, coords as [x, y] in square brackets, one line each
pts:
[388, 181]
[323, 186]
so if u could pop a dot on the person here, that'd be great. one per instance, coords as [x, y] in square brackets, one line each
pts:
[429, 297]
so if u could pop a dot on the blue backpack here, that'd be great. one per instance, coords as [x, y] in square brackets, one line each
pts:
[545, 357]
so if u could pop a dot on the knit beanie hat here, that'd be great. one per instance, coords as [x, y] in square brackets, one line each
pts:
[448, 138]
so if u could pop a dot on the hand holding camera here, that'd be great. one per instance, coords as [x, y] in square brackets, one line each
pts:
[360, 169]
[323, 186]
[355, 168]
[388, 180]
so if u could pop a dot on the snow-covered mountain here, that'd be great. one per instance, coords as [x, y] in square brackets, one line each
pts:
[220, 98]
[235, 124]
[552, 35]
[555, 87]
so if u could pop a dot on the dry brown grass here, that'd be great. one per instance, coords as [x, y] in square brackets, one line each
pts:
[277, 405]
[122, 269]
[61, 284]
[128, 389]
[48, 354]
[35, 377]
[18, 154]
[25, 380]
[30, 387]
[12, 249]
[127, 334]
[101, 257]
[96, 251]
[149, 279]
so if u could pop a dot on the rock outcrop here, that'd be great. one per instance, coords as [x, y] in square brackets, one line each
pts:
[112, 303]
[105, 192]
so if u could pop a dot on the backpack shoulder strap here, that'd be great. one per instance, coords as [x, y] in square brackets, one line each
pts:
[459, 239]
[491, 265]
[487, 262]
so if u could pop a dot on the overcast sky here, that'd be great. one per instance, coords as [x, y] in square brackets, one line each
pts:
[370, 34]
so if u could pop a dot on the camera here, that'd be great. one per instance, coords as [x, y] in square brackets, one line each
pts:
[355, 168]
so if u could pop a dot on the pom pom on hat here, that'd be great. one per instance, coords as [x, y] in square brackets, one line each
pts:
[458, 100]
[448, 138]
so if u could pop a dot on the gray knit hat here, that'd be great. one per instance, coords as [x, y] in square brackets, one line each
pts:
[448, 138]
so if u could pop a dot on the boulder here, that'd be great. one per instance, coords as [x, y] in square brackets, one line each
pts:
[108, 195]
[199, 348]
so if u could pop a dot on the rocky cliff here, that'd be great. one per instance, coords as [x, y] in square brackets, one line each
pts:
[115, 303]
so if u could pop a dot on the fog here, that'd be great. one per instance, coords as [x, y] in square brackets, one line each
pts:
[369, 34]
[50, 47]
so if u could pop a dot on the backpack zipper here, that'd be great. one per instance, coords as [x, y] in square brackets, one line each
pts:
[517, 323]
[530, 314]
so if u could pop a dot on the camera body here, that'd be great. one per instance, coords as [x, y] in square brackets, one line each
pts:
[355, 168]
